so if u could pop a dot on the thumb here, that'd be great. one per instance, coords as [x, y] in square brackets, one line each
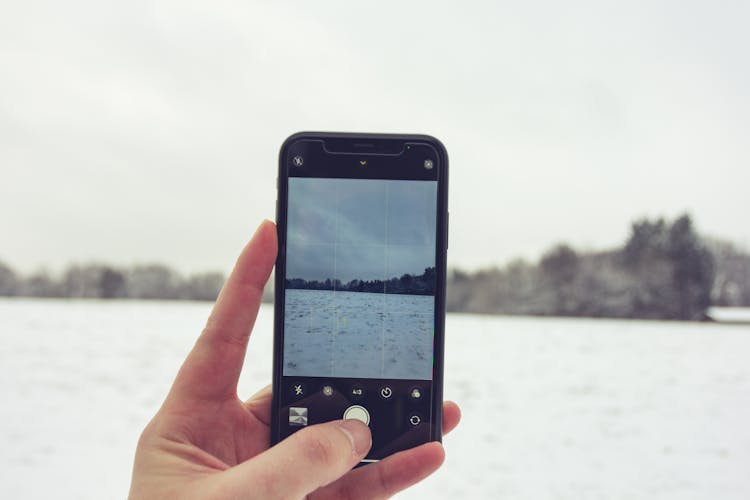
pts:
[305, 461]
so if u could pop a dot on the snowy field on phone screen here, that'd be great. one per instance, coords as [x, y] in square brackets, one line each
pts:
[552, 408]
[358, 334]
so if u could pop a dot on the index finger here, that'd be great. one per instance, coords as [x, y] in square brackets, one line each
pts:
[213, 367]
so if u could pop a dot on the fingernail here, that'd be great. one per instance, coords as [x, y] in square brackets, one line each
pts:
[359, 435]
[259, 228]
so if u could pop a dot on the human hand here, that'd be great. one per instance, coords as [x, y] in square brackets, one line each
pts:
[204, 442]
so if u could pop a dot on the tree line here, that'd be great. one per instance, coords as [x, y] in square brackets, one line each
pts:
[101, 281]
[422, 284]
[664, 270]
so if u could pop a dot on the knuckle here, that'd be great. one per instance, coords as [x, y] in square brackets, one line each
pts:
[147, 434]
[219, 337]
[383, 482]
[318, 448]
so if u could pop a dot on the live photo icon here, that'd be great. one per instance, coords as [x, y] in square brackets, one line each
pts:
[297, 416]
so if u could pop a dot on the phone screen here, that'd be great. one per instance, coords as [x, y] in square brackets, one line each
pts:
[359, 296]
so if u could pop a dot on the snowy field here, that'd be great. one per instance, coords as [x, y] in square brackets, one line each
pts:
[357, 334]
[553, 408]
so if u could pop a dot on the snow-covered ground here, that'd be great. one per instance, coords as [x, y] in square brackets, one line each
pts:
[553, 408]
[357, 334]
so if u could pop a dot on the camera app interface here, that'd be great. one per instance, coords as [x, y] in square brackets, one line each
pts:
[359, 310]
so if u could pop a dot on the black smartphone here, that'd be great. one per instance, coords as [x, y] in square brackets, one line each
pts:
[360, 286]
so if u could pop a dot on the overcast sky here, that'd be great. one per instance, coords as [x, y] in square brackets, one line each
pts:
[149, 131]
[360, 229]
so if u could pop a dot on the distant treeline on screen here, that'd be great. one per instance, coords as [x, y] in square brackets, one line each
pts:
[407, 284]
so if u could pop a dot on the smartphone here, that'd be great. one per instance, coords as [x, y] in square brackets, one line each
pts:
[360, 286]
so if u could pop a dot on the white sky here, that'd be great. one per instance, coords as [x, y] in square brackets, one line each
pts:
[149, 131]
